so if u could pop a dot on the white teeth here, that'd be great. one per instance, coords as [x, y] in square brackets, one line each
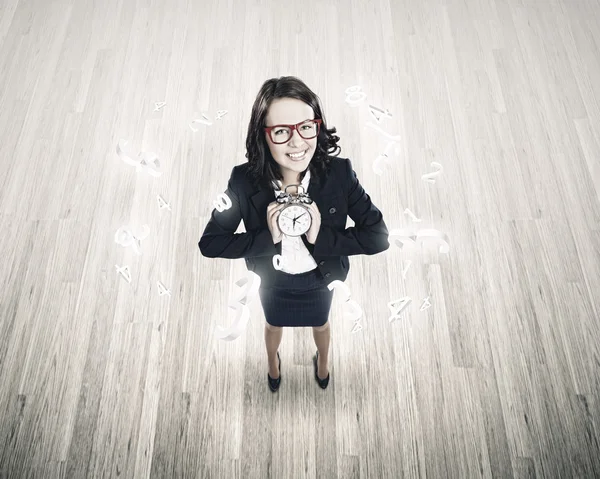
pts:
[300, 155]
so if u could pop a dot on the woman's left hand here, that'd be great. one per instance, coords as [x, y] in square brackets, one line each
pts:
[313, 232]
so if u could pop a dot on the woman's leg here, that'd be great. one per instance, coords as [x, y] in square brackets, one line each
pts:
[273, 336]
[322, 334]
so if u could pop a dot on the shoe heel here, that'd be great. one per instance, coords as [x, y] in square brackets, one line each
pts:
[323, 383]
[275, 383]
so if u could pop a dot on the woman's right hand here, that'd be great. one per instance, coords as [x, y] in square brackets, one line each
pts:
[273, 211]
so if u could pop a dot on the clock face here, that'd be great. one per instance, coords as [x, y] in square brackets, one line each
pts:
[294, 220]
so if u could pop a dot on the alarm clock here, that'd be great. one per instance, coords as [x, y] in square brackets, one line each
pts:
[294, 219]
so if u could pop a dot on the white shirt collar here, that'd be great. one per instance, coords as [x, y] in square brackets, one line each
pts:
[278, 184]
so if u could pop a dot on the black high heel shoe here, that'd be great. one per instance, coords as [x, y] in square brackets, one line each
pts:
[323, 383]
[274, 383]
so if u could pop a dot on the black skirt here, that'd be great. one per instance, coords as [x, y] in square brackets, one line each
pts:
[297, 300]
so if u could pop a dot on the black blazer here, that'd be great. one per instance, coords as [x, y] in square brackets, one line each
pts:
[337, 195]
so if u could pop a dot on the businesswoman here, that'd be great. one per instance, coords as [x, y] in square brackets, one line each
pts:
[288, 143]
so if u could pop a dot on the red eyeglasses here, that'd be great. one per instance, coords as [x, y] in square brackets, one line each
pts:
[283, 133]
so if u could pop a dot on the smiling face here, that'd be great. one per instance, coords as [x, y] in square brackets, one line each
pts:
[290, 111]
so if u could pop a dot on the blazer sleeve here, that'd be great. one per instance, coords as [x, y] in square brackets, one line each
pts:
[369, 235]
[219, 239]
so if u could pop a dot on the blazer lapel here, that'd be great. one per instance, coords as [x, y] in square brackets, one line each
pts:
[262, 196]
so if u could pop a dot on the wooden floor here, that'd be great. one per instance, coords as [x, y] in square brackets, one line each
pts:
[500, 377]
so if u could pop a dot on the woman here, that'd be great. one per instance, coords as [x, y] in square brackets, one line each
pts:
[288, 144]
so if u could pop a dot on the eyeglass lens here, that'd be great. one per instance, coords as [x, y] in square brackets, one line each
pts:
[308, 129]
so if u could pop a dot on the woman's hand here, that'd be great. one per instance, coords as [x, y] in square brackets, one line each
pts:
[313, 232]
[273, 210]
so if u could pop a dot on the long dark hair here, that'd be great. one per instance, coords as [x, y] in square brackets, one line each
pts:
[263, 168]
